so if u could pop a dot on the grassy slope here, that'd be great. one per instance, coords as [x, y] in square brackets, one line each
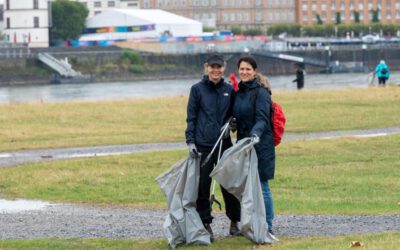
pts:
[343, 176]
[388, 241]
[44, 125]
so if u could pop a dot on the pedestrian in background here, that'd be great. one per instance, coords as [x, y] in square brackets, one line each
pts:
[209, 108]
[299, 76]
[383, 72]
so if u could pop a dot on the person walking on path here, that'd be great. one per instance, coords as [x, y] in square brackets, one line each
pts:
[209, 108]
[252, 112]
[299, 77]
[383, 72]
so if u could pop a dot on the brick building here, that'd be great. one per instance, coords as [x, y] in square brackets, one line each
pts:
[227, 13]
[307, 10]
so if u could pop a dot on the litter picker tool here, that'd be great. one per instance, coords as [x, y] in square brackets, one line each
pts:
[224, 128]
[212, 197]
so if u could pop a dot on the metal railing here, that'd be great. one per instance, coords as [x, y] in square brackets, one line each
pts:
[61, 66]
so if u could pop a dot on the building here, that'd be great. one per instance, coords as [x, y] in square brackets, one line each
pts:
[227, 13]
[96, 7]
[124, 24]
[307, 11]
[26, 22]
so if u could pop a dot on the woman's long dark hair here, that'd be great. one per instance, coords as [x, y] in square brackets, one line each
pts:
[250, 60]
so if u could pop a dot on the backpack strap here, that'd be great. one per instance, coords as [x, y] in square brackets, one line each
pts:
[253, 97]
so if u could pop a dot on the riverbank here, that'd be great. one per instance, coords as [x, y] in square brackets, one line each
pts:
[110, 64]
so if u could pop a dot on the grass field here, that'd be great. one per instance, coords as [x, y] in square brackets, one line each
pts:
[388, 241]
[338, 176]
[342, 176]
[52, 125]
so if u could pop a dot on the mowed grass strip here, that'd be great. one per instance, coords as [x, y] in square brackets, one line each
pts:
[387, 241]
[342, 176]
[53, 125]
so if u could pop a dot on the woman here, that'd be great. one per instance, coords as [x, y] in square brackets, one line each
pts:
[209, 108]
[252, 112]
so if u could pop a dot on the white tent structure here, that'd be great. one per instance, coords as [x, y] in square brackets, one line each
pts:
[123, 24]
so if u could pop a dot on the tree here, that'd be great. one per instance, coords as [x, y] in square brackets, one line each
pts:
[319, 20]
[252, 32]
[356, 16]
[338, 18]
[375, 16]
[68, 19]
[236, 30]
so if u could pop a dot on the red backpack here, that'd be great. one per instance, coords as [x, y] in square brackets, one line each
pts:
[278, 119]
[278, 122]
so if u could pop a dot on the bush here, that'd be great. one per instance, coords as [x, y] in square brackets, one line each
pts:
[292, 29]
[236, 30]
[133, 56]
[252, 32]
[209, 29]
[136, 68]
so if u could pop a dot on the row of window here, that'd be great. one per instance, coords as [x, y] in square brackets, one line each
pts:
[233, 3]
[98, 4]
[35, 22]
[35, 4]
[245, 17]
[351, 6]
[352, 17]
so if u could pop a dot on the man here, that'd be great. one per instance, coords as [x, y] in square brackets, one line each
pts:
[209, 108]
[299, 76]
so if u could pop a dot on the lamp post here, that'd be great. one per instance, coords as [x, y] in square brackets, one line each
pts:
[328, 58]
[364, 57]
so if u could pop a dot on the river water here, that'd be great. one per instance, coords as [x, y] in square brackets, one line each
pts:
[143, 89]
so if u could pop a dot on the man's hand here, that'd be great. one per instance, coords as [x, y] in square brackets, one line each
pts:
[255, 138]
[193, 150]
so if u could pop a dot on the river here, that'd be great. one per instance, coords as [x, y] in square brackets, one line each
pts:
[143, 89]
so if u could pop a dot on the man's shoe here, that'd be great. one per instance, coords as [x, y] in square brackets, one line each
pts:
[234, 229]
[209, 230]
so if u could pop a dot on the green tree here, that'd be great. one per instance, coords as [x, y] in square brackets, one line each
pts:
[338, 18]
[356, 16]
[68, 19]
[319, 20]
[236, 30]
[375, 16]
[292, 29]
[209, 29]
[252, 32]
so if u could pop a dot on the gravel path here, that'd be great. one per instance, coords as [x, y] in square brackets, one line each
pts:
[65, 221]
[69, 220]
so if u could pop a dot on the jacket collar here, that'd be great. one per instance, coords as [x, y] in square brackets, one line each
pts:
[248, 85]
[206, 81]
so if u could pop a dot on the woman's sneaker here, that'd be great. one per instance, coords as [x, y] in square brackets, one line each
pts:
[272, 235]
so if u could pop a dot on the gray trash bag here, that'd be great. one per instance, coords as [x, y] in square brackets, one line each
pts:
[237, 172]
[180, 184]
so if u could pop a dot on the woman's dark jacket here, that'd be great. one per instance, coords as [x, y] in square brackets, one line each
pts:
[252, 111]
[209, 108]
